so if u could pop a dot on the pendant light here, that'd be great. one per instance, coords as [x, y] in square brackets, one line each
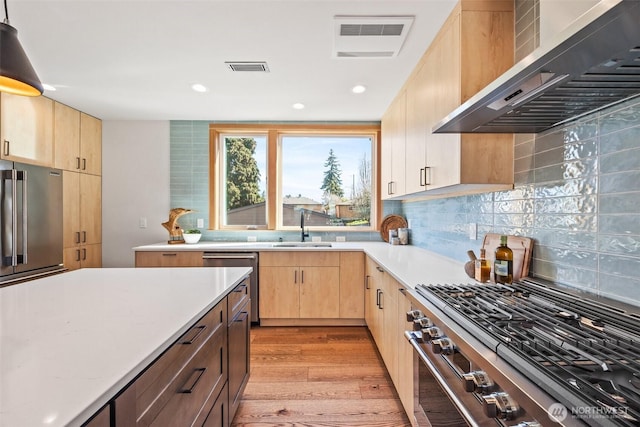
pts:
[17, 76]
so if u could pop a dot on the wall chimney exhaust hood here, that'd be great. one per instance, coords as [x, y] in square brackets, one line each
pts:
[593, 63]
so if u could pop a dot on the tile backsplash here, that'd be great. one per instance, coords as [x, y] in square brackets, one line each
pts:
[577, 194]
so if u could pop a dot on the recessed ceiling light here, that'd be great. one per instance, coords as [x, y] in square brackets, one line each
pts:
[199, 88]
[49, 87]
[298, 106]
[358, 89]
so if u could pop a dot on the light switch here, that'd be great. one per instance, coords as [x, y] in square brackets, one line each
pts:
[142, 222]
[200, 223]
[473, 231]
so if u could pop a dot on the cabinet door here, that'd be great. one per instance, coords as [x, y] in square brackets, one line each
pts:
[351, 285]
[169, 259]
[279, 292]
[66, 137]
[90, 145]
[405, 359]
[389, 339]
[91, 256]
[90, 208]
[417, 130]
[373, 313]
[393, 128]
[101, 419]
[319, 292]
[26, 128]
[71, 214]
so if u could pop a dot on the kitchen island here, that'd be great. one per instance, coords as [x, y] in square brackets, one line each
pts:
[69, 343]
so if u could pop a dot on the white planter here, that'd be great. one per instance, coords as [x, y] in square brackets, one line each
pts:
[191, 238]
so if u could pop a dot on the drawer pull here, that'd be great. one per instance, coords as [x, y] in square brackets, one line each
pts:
[241, 317]
[171, 254]
[198, 330]
[192, 380]
[240, 288]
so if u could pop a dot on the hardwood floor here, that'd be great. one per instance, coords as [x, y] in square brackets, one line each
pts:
[317, 376]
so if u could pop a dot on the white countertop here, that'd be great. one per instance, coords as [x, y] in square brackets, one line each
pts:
[70, 342]
[408, 264]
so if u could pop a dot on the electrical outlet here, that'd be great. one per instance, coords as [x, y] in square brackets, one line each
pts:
[473, 231]
[252, 239]
[341, 239]
[200, 223]
[316, 239]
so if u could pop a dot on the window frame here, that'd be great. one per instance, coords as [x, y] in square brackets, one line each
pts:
[273, 196]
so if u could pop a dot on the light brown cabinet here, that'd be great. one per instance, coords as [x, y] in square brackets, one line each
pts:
[476, 44]
[82, 220]
[26, 129]
[407, 361]
[393, 149]
[169, 259]
[78, 141]
[299, 285]
[351, 289]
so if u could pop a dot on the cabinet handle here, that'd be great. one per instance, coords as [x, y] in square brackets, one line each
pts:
[366, 282]
[170, 254]
[78, 163]
[427, 175]
[193, 379]
[381, 305]
[84, 237]
[391, 187]
[422, 184]
[295, 276]
[241, 317]
[84, 254]
[380, 269]
[77, 254]
[302, 276]
[6, 147]
[77, 237]
[84, 164]
[197, 331]
[378, 291]
[240, 288]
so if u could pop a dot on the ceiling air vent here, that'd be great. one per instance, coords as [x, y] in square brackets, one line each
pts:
[247, 66]
[370, 36]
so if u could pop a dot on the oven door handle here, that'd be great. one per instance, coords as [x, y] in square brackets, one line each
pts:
[411, 337]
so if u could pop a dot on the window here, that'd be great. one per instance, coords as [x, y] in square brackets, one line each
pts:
[244, 172]
[328, 177]
[266, 176]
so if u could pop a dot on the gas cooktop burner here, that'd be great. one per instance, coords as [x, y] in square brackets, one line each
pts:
[588, 349]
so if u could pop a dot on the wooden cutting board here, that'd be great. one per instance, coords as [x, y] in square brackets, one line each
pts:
[521, 247]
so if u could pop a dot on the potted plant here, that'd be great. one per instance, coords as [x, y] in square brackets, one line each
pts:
[192, 235]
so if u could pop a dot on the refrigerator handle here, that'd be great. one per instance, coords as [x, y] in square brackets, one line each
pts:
[14, 218]
[25, 217]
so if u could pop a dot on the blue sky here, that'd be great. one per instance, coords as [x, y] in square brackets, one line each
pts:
[304, 158]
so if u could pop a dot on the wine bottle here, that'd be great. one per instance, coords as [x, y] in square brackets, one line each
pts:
[483, 269]
[503, 265]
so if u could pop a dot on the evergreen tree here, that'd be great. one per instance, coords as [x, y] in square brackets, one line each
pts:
[243, 175]
[332, 183]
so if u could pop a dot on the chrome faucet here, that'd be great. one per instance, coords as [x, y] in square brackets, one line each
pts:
[303, 234]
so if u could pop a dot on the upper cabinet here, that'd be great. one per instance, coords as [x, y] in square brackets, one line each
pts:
[78, 141]
[473, 47]
[393, 149]
[26, 129]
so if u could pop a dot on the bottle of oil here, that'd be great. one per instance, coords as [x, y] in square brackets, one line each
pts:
[503, 265]
[483, 269]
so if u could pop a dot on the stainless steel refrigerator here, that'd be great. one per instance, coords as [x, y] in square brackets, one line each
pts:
[30, 221]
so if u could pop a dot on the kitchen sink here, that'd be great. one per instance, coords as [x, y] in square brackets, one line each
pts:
[302, 245]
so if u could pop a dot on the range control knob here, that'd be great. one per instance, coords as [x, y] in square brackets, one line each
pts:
[500, 405]
[422, 323]
[442, 345]
[477, 381]
[431, 333]
[413, 315]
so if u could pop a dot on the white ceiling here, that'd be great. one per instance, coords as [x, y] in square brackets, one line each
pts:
[137, 59]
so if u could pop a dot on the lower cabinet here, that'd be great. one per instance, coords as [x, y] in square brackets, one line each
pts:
[198, 381]
[311, 288]
[169, 259]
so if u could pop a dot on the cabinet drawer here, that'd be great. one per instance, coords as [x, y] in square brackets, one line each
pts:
[183, 400]
[169, 259]
[153, 384]
[300, 259]
[238, 298]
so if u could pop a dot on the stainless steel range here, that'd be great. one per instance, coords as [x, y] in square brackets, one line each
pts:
[524, 355]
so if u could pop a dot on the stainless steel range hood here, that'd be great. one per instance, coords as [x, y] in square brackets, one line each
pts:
[593, 63]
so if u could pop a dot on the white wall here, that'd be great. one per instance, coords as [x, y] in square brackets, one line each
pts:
[135, 185]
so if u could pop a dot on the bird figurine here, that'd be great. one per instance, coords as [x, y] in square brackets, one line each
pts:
[175, 232]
